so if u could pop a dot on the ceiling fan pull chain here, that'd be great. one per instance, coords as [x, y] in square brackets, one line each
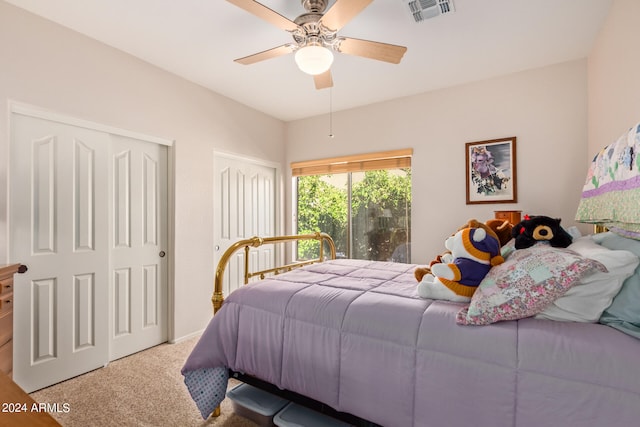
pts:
[331, 112]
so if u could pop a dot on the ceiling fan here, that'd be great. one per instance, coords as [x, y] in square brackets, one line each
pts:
[315, 37]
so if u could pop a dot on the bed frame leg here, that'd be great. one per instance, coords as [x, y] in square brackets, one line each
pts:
[216, 412]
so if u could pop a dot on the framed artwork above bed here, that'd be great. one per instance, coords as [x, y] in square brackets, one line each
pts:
[491, 171]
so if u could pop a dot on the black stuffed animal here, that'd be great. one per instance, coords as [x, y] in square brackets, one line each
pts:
[539, 228]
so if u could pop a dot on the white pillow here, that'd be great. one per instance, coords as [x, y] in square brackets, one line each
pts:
[585, 301]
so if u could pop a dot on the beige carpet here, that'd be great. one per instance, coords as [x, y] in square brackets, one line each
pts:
[144, 389]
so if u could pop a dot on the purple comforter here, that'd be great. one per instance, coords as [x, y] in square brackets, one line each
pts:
[355, 335]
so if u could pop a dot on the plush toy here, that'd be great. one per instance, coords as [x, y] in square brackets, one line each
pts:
[474, 252]
[420, 272]
[539, 228]
[498, 228]
[502, 228]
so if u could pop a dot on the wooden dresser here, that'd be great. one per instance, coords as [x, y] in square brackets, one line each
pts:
[6, 317]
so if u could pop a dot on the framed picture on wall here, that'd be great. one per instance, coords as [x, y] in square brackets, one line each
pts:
[491, 171]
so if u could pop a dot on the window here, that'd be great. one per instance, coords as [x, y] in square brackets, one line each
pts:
[363, 202]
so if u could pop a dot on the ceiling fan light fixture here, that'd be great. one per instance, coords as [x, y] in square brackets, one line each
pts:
[314, 59]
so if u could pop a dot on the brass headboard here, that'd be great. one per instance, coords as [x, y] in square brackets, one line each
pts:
[218, 298]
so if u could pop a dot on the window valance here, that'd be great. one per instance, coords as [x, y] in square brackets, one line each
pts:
[393, 159]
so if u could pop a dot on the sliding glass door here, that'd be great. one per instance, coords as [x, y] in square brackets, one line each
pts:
[367, 213]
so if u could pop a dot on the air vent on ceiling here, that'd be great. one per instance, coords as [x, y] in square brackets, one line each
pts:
[425, 9]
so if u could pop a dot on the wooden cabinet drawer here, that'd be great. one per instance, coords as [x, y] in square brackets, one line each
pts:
[6, 328]
[6, 357]
[512, 216]
[502, 215]
[6, 303]
[6, 316]
[6, 286]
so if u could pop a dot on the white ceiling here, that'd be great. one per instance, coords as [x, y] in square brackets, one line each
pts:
[199, 39]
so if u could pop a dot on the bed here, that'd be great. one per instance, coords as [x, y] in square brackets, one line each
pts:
[354, 338]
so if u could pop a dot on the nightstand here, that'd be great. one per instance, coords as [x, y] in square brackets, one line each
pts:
[513, 217]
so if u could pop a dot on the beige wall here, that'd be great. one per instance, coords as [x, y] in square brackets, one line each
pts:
[546, 109]
[45, 65]
[614, 76]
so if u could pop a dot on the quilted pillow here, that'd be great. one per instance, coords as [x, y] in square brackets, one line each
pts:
[586, 301]
[527, 282]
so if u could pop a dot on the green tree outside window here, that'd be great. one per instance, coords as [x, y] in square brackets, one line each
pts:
[375, 226]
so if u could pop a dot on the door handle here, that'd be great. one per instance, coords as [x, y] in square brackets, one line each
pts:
[162, 254]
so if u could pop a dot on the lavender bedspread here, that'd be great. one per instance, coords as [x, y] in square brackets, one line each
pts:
[355, 335]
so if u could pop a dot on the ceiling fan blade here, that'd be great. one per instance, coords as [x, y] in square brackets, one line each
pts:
[373, 50]
[267, 54]
[263, 12]
[323, 80]
[342, 12]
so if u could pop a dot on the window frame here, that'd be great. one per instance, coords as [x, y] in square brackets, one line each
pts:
[385, 160]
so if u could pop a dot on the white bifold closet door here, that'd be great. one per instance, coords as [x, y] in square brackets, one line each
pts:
[88, 217]
[138, 247]
[244, 206]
